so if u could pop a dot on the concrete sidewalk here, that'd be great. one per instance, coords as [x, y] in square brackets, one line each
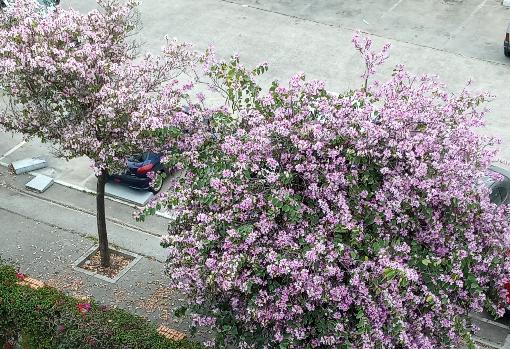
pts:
[46, 252]
[43, 237]
[64, 207]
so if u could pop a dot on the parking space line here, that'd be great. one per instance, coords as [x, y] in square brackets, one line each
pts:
[468, 18]
[391, 8]
[86, 190]
[82, 183]
[13, 149]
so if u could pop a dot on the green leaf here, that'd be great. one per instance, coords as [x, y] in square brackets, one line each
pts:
[181, 311]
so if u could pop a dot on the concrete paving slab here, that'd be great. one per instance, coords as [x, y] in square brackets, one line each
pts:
[490, 333]
[116, 210]
[81, 222]
[40, 183]
[74, 171]
[27, 165]
[119, 191]
[506, 345]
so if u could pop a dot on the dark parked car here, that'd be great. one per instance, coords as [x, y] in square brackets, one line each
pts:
[500, 195]
[506, 43]
[138, 166]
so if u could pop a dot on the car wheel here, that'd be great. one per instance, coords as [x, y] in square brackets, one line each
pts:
[507, 53]
[157, 186]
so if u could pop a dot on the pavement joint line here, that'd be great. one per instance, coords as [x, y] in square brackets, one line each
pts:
[506, 345]
[491, 322]
[486, 342]
[89, 191]
[13, 149]
[77, 209]
[364, 32]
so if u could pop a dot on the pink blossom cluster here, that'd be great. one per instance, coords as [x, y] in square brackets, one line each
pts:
[76, 80]
[308, 220]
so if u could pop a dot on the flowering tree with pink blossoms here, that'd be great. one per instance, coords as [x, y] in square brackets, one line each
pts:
[310, 220]
[76, 80]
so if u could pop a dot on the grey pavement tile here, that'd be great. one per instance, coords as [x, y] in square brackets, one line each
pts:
[40, 183]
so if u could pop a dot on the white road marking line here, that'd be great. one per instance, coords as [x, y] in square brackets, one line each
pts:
[463, 24]
[391, 8]
[82, 183]
[13, 149]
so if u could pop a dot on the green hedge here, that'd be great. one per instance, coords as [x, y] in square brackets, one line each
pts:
[47, 318]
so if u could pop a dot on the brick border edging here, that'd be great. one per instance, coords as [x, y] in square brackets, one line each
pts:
[163, 330]
[31, 282]
[170, 333]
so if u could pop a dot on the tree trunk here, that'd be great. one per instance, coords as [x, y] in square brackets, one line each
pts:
[104, 252]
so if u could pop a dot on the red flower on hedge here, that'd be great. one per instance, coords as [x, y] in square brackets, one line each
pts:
[20, 276]
[83, 308]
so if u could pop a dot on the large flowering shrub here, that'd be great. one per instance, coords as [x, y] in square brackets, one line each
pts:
[310, 220]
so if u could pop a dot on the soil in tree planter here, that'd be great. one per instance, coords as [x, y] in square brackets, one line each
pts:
[118, 261]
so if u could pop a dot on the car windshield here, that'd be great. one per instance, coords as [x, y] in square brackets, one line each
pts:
[136, 157]
[48, 2]
[45, 3]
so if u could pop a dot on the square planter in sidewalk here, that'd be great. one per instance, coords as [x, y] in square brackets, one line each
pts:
[87, 263]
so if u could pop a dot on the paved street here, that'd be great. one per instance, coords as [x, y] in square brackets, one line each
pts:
[455, 39]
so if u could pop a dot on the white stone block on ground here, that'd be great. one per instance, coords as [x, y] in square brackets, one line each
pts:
[119, 191]
[40, 183]
[505, 3]
[27, 165]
